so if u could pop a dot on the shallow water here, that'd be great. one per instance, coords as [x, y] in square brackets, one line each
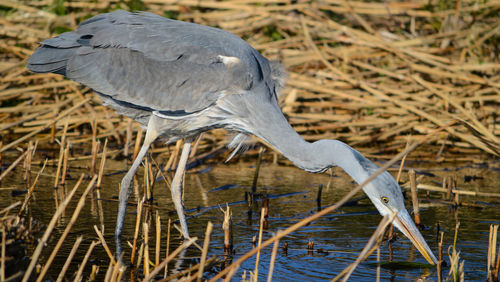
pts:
[292, 193]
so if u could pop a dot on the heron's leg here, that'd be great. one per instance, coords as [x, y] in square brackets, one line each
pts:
[176, 187]
[151, 134]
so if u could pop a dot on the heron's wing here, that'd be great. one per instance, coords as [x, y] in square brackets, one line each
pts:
[152, 62]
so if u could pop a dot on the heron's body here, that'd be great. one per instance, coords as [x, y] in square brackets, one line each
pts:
[181, 79]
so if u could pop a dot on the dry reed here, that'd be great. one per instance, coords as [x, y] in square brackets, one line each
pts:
[363, 72]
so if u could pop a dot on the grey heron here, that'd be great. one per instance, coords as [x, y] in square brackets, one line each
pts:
[180, 79]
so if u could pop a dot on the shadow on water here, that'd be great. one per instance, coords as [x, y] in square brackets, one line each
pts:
[292, 195]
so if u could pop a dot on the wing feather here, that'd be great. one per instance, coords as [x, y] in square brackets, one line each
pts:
[153, 62]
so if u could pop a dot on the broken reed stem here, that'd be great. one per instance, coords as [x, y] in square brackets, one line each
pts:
[195, 146]
[48, 231]
[137, 226]
[65, 163]
[59, 164]
[414, 196]
[104, 245]
[70, 224]
[13, 165]
[456, 235]
[228, 233]
[109, 272]
[151, 178]
[99, 207]
[261, 228]
[95, 150]
[27, 163]
[78, 276]
[401, 165]
[167, 247]
[206, 244]
[103, 162]
[95, 147]
[497, 265]
[158, 238]
[173, 156]
[147, 185]
[145, 233]
[31, 189]
[305, 221]
[161, 266]
[375, 239]
[378, 264]
[139, 259]
[492, 271]
[93, 272]
[117, 271]
[273, 259]
[456, 271]
[61, 154]
[440, 258]
[69, 259]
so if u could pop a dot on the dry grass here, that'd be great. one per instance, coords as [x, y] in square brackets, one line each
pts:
[367, 73]
[378, 76]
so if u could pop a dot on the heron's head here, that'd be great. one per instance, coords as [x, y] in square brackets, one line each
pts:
[385, 194]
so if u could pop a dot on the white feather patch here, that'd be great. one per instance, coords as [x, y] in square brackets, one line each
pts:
[228, 61]
[239, 143]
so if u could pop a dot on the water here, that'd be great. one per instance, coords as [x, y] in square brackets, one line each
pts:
[292, 192]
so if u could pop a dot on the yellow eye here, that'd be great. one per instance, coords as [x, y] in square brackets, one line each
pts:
[385, 200]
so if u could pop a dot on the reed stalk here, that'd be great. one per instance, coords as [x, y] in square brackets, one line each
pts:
[79, 273]
[76, 213]
[414, 196]
[161, 266]
[48, 231]
[272, 261]
[204, 253]
[69, 258]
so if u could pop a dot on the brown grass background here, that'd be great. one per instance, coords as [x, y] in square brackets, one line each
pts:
[376, 75]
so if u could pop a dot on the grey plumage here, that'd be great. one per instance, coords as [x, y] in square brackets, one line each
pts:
[181, 79]
[150, 61]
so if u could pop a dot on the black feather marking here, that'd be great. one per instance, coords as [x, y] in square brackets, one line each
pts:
[85, 39]
[175, 113]
[182, 83]
[127, 104]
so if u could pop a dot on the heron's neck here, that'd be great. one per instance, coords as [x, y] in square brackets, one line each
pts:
[312, 157]
[321, 155]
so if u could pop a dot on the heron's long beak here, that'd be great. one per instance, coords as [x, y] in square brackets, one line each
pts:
[405, 224]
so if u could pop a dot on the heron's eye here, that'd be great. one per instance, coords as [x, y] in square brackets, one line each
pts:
[385, 200]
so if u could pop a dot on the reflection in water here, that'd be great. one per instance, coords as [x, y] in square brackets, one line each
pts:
[288, 194]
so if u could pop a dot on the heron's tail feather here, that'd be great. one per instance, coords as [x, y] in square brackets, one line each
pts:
[239, 143]
[54, 53]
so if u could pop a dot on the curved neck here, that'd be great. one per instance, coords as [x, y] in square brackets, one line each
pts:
[261, 116]
[321, 155]
[312, 157]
